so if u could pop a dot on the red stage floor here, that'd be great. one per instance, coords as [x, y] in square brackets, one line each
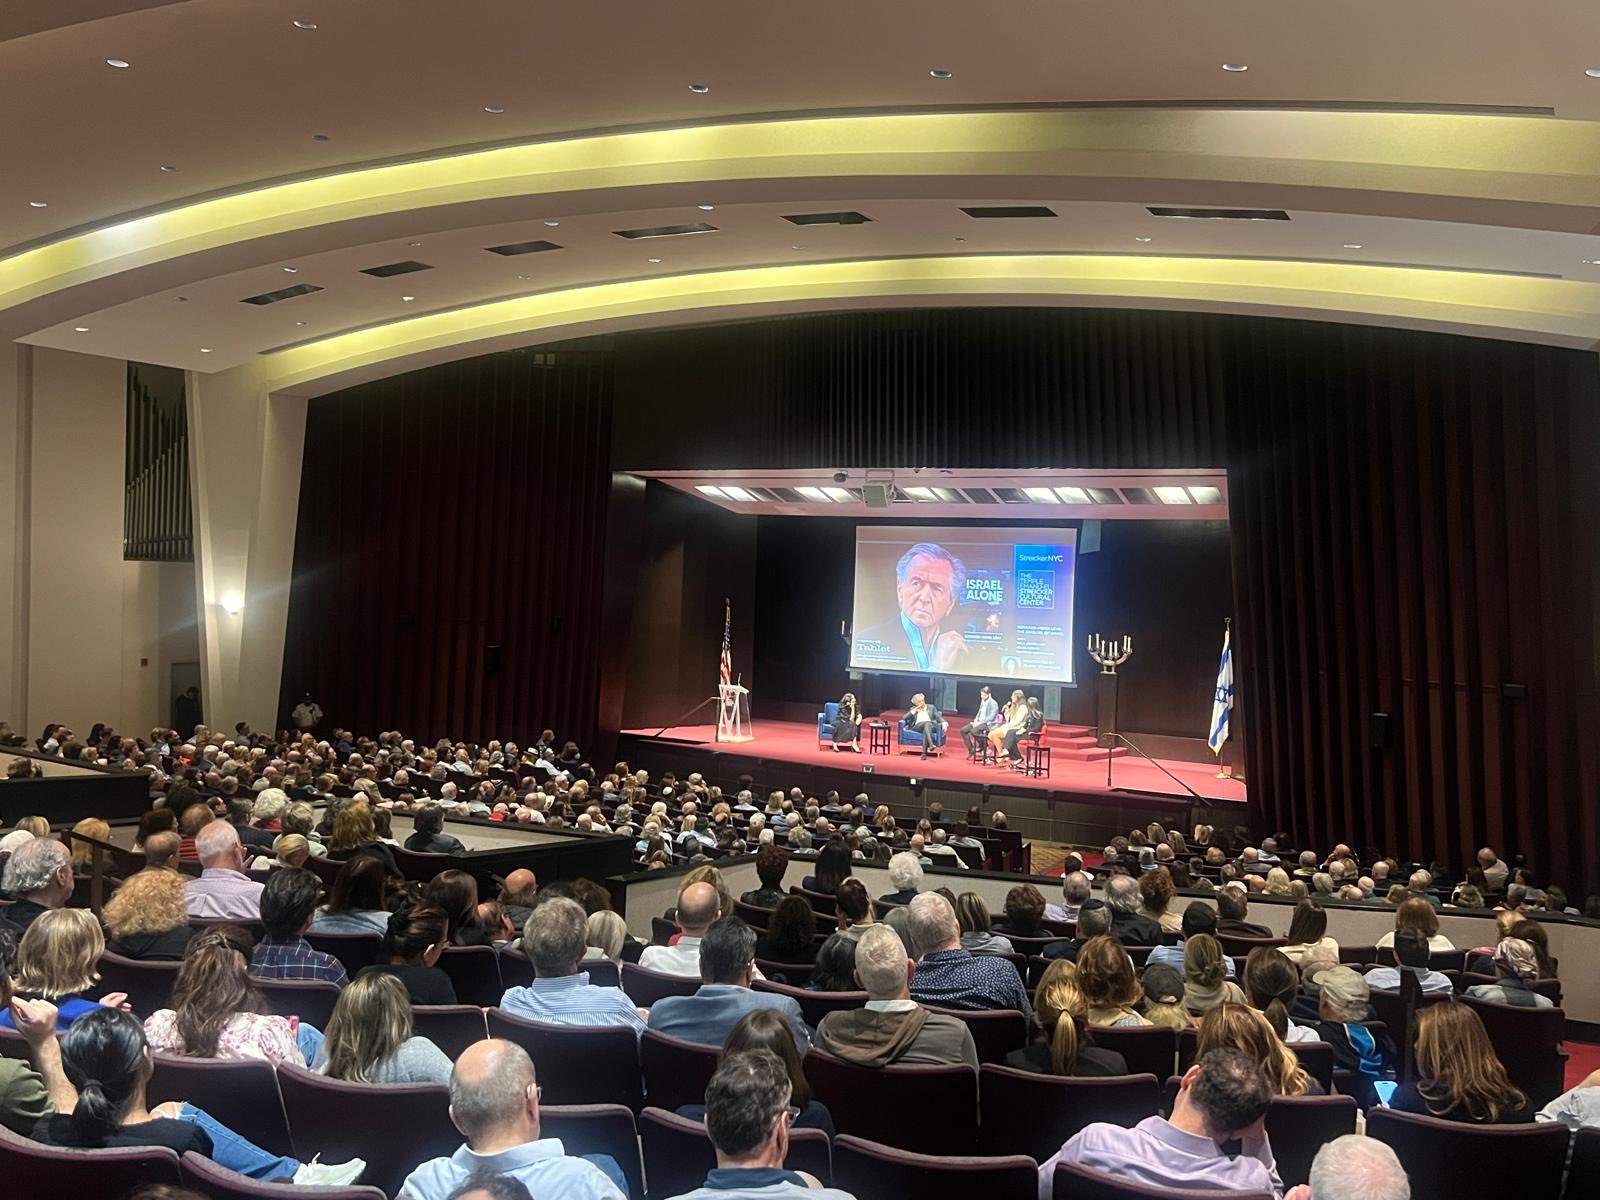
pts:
[789, 741]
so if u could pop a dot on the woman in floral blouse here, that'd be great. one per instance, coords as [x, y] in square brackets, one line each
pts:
[217, 1011]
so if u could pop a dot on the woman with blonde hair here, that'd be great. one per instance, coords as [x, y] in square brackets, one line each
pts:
[147, 918]
[35, 825]
[976, 926]
[1240, 1027]
[370, 1039]
[1459, 1076]
[1061, 1012]
[56, 962]
[1110, 988]
[83, 852]
[217, 1010]
[1205, 976]
[607, 934]
[354, 833]
[1417, 915]
[1277, 882]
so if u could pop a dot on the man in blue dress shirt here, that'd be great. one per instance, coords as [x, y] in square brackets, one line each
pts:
[950, 977]
[727, 958]
[554, 939]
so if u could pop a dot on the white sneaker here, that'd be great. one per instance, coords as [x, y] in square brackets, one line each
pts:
[330, 1174]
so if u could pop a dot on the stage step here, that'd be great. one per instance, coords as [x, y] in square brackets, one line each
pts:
[1090, 753]
[1079, 742]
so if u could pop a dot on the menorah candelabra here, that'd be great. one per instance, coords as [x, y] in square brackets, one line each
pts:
[1110, 654]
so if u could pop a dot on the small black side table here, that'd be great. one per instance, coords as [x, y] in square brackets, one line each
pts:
[878, 738]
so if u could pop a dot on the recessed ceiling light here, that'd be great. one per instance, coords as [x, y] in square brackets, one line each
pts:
[705, 207]
[1235, 66]
[408, 299]
[320, 137]
[299, 322]
[414, 243]
[960, 239]
[797, 246]
[205, 349]
[523, 277]
[553, 224]
[80, 329]
[1592, 72]
[940, 73]
[654, 260]
[168, 168]
[699, 89]
[183, 299]
[305, 24]
[1141, 239]
[120, 64]
[1591, 262]
[292, 270]
[1352, 245]
[38, 204]
[493, 108]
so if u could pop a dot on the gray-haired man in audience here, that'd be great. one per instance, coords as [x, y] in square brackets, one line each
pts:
[1354, 1167]
[892, 1028]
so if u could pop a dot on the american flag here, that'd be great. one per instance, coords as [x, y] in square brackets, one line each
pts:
[725, 666]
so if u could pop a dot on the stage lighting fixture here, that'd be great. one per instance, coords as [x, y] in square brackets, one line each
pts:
[813, 493]
[1171, 495]
[1041, 495]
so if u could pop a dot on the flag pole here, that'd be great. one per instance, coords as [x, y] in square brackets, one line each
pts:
[1227, 637]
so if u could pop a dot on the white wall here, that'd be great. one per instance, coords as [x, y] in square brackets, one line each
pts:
[93, 636]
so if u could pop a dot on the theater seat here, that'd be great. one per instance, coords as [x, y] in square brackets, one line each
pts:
[577, 1064]
[678, 1153]
[813, 1005]
[995, 1033]
[676, 1072]
[1299, 1126]
[475, 973]
[309, 999]
[1447, 1160]
[148, 984]
[1027, 1113]
[645, 987]
[1528, 1041]
[892, 1104]
[240, 1093]
[1148, 1049]
[597, 1129]
[1073, 1182]
[867, 1169]
[219, 1183]
[35, 1170]
[353, 950]
[451, 1027]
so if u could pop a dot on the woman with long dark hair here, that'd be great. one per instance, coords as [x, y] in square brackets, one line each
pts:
[768, 1029]
[1459, 1076]
[356, 903]
[217, 1010]
[833, 868]
[456, 894]
[847, 724]
[105, 1057]
[416, 937]
[791, 934]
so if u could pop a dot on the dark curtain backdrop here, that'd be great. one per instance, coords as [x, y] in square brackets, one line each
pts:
[442, 513]
[804, 573]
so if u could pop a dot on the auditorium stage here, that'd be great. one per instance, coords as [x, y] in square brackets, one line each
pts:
[1077, 770]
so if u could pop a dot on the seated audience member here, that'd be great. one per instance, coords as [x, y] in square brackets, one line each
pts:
[604, 936]
[1271, 987]
[417, 935]
[726, 957]
[288, 901]
[1355, 1167]
[38, 877]
[951, 977]
[1155, 898]
[456, 892]
[1242, 1028]
[1222, 1098]
[706, 873]
[1533, 933]
[518, 895]
[147, 918]
[1108, 983]
[1197, 918]
[1577, 1107]
[905, 875]
[892, 1028]
[1094, 918]
[1342, 1007]
[698, 905]
[161, 850]
[1163, 997]
[790, 935]
[853, 908]
[191, 821]
[28, 1093]
[1516, 967]
[223, 892]
[355, 904]
[82, 853]
[239, 811]
[1494, 871]
[1205, 976]
[1418, 915]
[1459, 1076]
[301, 818]
[555, 939]
[107, 1061]
[1233, 906]
[832, 868]
[1061, 1012]
[1308, 929]
[428, 836]
[836, 965]
[771, 863]
[56, 961]
[217, 1010]
[1128, 924]
[973, 916]
[766, 1030]
[1075, 889]
[494, 1102]
[354, 833]
[1480, 961]
[370, 1038]
[1411, 952]
[747, 1117]
[1024, 909]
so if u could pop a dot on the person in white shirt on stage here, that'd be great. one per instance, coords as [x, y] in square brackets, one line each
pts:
[982, 722]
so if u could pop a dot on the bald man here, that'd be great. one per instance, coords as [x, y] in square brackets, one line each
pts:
[697, 909]
[517, 895]
[161, 849]
[494, 1102]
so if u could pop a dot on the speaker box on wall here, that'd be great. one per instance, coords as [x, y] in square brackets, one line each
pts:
[1378, 731]
[877, 495]
[1089, 538]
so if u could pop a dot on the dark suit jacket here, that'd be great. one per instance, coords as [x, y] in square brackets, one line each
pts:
[1243, 929]
[934, 713]
[1131, 929]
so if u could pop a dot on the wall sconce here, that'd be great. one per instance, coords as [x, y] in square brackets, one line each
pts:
[232, 603]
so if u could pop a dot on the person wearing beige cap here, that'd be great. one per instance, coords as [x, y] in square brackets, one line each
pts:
[1516, 967]
[1341, 1009]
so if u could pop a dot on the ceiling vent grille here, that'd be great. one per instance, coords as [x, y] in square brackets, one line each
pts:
[513, 248]
[999, 212]
[829, 218]
[1221, 214]
[666, 231]
[396, 268]
[288, 293]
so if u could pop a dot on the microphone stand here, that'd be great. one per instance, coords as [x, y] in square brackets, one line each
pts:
[690, 713]
[1200, 800]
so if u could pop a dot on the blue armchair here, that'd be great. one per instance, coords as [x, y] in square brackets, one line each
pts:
[825, 720]
[913, 737]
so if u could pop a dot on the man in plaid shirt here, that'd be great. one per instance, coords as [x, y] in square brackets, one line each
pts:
[287, 905]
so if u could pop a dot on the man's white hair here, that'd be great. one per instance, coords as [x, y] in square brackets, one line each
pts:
[933, 923]
[1354, 1167]
[33, 865]
[881, 962]
[270, 803]
[214, 841]
[1122, 893]
[1075, 887]
[905, 871]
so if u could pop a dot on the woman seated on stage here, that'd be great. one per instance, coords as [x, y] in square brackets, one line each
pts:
[847, 724]
[1016, 718]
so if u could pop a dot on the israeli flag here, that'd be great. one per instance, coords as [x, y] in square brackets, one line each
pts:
[1222, 704]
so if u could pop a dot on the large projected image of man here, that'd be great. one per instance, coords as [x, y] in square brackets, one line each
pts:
[928, 581]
